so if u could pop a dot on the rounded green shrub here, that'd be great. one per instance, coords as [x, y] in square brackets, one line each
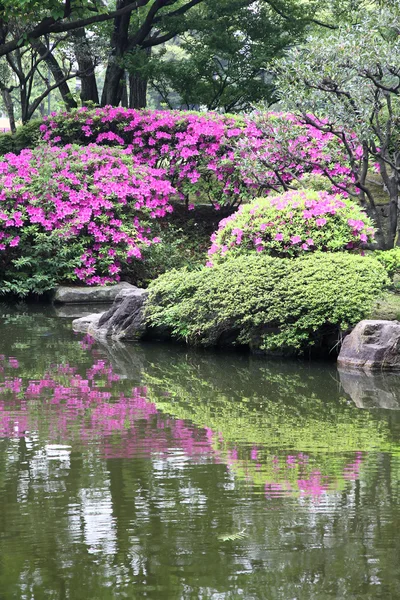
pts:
[390, 259]
[291, 224]
[267, 303]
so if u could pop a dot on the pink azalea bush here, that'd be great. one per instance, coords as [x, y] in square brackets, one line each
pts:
[290, 224]
[75, 213]
[282, 150]
[196, 150]
[221, 158]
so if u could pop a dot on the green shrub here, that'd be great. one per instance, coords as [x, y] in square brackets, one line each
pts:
[26, 136]
[390, 259]
[267, 303]
[293, 223]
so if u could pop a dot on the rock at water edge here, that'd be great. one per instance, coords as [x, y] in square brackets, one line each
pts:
[372, 345]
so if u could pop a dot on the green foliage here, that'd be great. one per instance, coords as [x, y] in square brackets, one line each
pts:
[348, 81]
[390, 259]
[219, 59]
[45, 261]
[267, 303]
[26, 136]
[182, 245]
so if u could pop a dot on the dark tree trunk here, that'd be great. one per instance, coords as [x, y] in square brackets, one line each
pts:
[86, 66]
[392, 185]
[57, 73]
[9, 105]
[113, 82]
[137, 91]
[393, 217]
[138, 82]
[112, 90]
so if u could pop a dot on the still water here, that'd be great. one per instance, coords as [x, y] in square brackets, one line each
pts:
[154, 472]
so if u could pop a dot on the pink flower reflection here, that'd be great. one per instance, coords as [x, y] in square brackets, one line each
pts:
[314, 485]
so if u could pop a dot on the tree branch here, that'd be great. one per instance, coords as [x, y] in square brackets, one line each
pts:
[50, 25]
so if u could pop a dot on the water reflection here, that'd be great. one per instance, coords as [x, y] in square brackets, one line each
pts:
[154, 472]
[372, 390]
[64, 406]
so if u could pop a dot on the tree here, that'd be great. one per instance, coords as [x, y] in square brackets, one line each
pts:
[224, 66]
[227, 32]
[30, 73]
[228, 64]
[53, 17]
[348, 84]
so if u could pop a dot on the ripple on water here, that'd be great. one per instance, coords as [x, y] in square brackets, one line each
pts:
[156, 472]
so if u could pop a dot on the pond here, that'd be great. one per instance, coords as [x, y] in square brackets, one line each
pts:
[151, 471]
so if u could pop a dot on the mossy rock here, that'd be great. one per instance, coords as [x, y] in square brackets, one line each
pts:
[388, 308]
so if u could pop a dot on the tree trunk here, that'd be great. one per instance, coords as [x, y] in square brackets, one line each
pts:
[89, 91]
[138, 82]
[137, 91]
[393, 218]
[112, 90]
[9, 105]
[379, 233]
[113, 86]
[57, 73]
[392, 185]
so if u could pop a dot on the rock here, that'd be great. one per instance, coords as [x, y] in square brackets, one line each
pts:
[124, 320]
[128, 360]
[73, 311]
[83, 324]
[369, 390]
[372, 345]
[86, 294]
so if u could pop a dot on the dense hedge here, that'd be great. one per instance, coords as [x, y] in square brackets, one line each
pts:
[390, 259]
[291, 224]
[267, 303]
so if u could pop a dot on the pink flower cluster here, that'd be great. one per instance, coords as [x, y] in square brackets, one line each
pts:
[92, 198]
[222, 158]
[292, 223]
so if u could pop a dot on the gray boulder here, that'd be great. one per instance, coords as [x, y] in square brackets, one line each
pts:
[86, 294]
[372, 345]
[124, 320]
[83, 324]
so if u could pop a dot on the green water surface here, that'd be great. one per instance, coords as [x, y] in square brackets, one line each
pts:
[151, 471]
